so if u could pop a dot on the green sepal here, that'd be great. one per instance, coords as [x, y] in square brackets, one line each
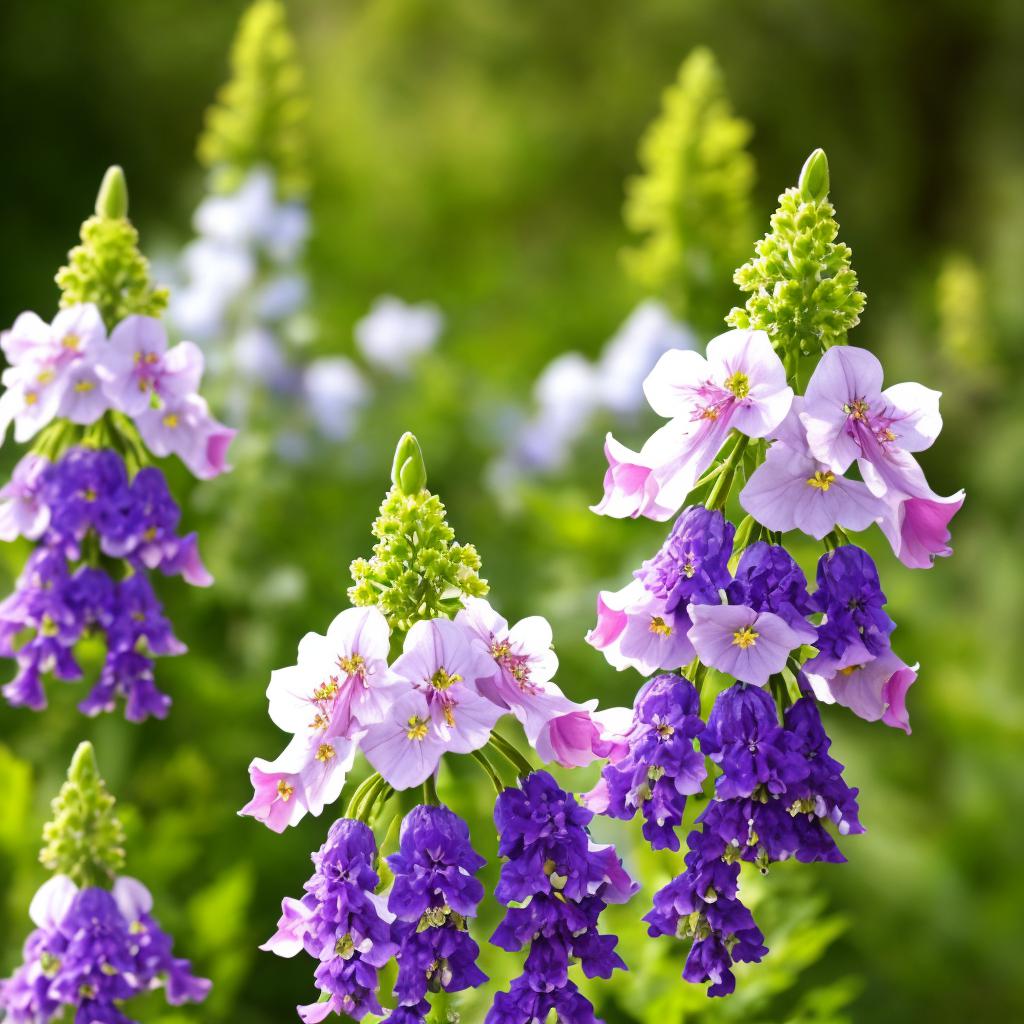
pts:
[85, 839]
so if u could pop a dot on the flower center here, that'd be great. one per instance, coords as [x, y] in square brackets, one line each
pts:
[744, 638]
[171, 421]
[355, 665]
[284, 791]
[665, 731]
[345, 947]
[324, 752]
[71, 342]
[325, 691]
[822, 480]
[738, 384]
[858, 409]
[416, 728]
[442, 679]
[659, 627]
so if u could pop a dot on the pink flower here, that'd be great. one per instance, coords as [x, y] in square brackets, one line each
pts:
[441, 661]
[309, 774]
[875, 690]
[741, 385]
[742, 643]
[136, 365]
[791, 490]
[407, 746]
[918, 528]
[634, 630]
[340, 682]
[184, 427]
[22, 514]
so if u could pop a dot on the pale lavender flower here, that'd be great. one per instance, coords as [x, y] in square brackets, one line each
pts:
[406, 747]
[747, 645]
[335, 392]
[184, 427]
[394, 333]
[875, 690]
[22, 511]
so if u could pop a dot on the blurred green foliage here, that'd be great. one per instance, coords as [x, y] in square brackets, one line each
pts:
[474, 154]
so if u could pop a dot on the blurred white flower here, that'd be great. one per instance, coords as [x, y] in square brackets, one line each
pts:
[394, 332]
[335, 392]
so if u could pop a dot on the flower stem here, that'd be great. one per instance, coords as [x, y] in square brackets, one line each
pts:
[511, 754]
[360, 794]
[430, 796]
[481, 758]
[723, 485]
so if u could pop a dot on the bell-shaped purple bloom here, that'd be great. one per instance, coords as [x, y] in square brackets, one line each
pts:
[768, 579]
[693, 563]
[341, 923]
[855, 627]
[660, 767]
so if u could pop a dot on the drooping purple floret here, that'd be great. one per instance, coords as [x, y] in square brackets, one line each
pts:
[768, 579]
[95, 958]
[341, 923]
[434, 892]
[67, 591]
[850, 594]
[693, 563]
[563, 883]
[661, 767]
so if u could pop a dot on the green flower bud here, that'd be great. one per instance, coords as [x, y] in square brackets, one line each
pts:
[85, 839]
[814, 183]
[408, 472]
[112, 199]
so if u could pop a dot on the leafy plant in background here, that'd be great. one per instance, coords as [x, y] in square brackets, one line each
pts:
[96, 944]
[99, 393]
[720, 601]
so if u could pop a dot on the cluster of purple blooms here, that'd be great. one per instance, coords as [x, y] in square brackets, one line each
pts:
[94, 949]
[555, 882]
[99, 533]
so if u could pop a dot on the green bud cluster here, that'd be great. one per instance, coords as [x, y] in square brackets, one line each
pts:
[107, 268]
[85, 839]
[259, 117]
[803, 291]
[692, 201]
[418, 569]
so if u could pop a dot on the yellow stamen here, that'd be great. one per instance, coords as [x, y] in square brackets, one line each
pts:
[738, 384]
[84, 386]
[70, 341]
[31, 397]
[442, 680]
[319, 723]
[659, 626]
[823, 479]
[324, 752]
[858, 409]
[171, 420]
[744, 638]
[325, 691]
[353, 666]
[284, 791]
[709, 412]
[417, 728]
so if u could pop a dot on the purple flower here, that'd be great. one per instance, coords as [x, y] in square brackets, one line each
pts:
[792, 490]
[693, 563]
[434, 892]
[563, 882]
[767, 579]
[23, 513]
[875, 690]
[94, 949]
[341, 923]
[523, 1004]
[660, 768]
[855, 627]
[749, 645]
[741, 385]
[184, 427]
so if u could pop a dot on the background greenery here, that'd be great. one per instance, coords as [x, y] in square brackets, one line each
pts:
[474, 154]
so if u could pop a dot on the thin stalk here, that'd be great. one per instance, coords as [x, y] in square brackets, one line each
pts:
[360, 793]
[720, 492]
[481, 758]
[511, 754]
[430, 796]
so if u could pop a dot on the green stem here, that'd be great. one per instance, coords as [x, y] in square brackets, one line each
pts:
[481, 758]
[511, 754]
[723, 486]
[430, 791]
[360, 793]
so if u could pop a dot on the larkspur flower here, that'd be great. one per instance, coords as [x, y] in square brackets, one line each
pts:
[692, 565]
[635, 629]
[741, 385]
[93, 950]
[560, 882]
[793, 490]
[434, 893]
[407, 746]
[183, 426]
[768, 579]
[749, 645]
[394, 333]
[341, 923]
[875, 690]
[521, 681]
[659, 767]
[340, 682]
[442, 662]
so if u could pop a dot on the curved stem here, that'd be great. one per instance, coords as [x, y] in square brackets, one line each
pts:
[481, 758]
[511, 754]
[361, 790]
[430, 791]
[723, 485]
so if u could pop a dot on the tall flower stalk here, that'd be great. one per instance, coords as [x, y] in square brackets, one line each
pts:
[100, 395]
[96, 944]
[726, 604]
[419, 668]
